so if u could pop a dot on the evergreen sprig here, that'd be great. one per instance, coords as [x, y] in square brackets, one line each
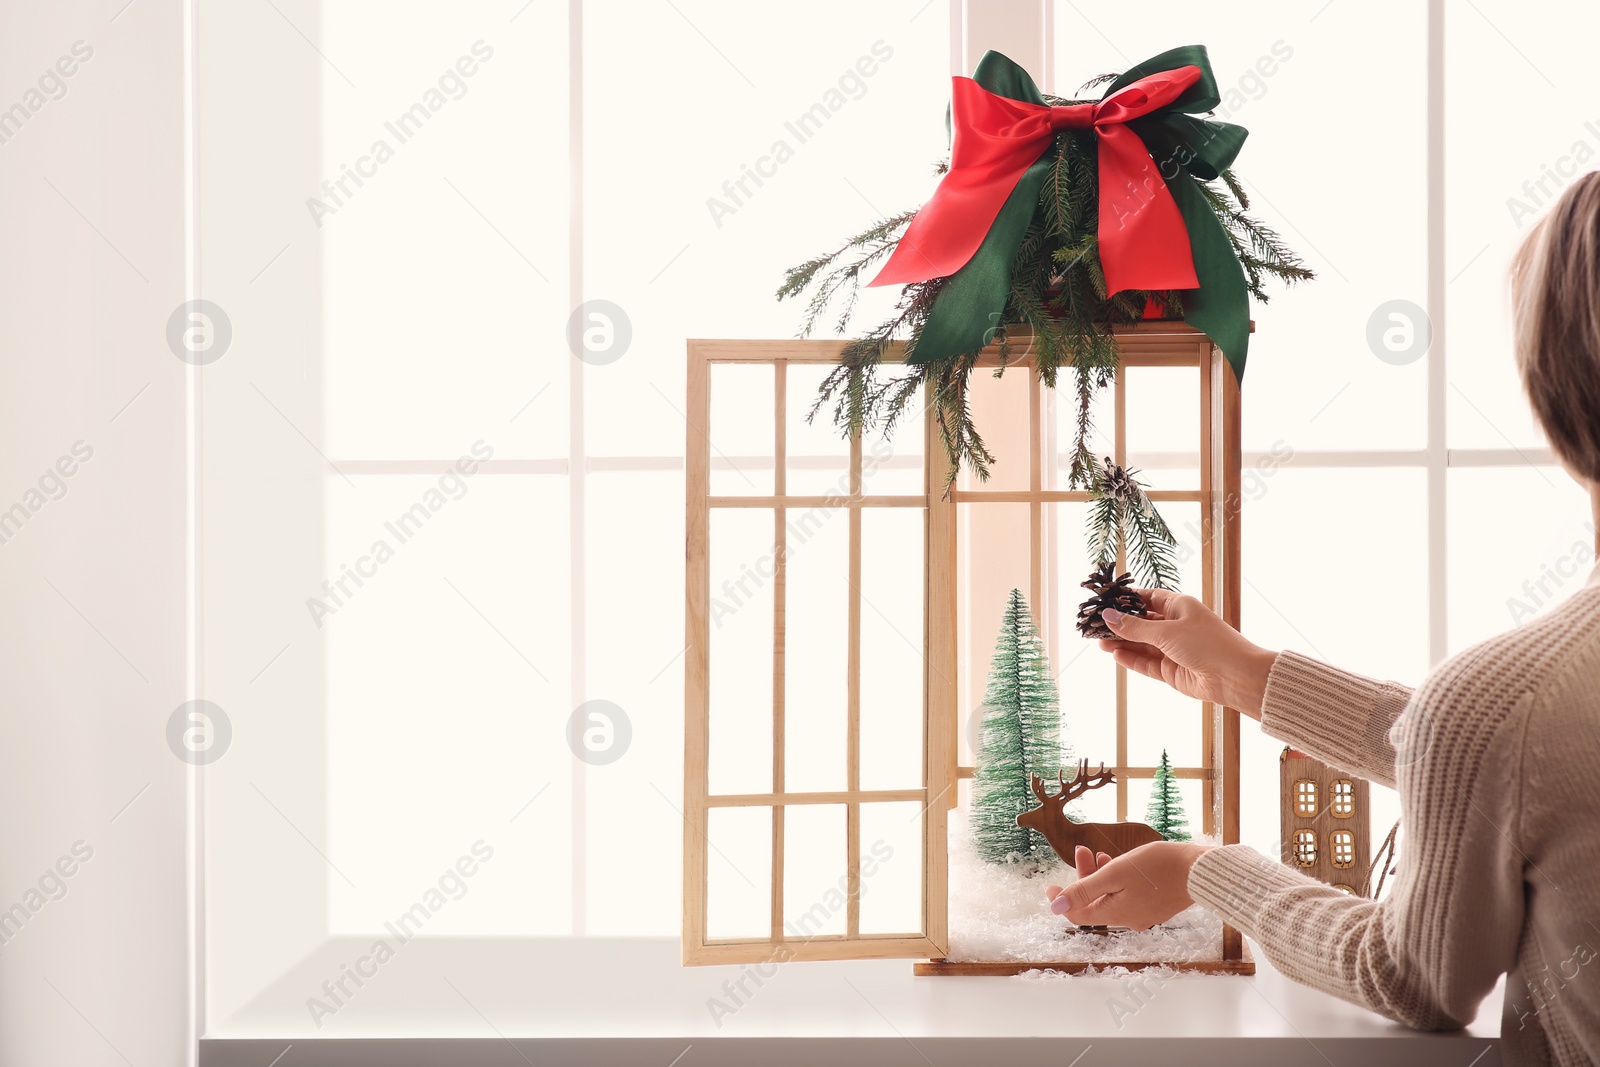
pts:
[1261, 251]
[1057, 312]
[1122, 521]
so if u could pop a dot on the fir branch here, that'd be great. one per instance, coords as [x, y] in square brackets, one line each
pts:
[952, 415]
[1104, 529]
[1123, 522]
[1081, 471]
[797, 279]
[861, 401]
[875, 242]
[1260, 249]
[1236, 187]
[1150, 546]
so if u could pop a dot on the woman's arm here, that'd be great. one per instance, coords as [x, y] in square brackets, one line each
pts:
[1339, 717]
[1429, 952]
[1424, 956]
[1342, 718]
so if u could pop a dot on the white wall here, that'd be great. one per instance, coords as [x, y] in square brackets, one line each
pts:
[261, 493]
[92, 639]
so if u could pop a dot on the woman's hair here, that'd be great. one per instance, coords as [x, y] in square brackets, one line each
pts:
[1555, 295]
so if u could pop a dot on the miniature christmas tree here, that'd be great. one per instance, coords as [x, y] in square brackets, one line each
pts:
[1165, 814]
[1021, 736]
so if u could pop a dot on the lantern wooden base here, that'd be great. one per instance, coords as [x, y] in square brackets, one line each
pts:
[1246, 964]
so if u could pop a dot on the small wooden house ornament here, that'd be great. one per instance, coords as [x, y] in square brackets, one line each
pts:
[1326, 828]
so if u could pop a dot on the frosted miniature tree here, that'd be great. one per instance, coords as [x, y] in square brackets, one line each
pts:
[1165, 814]
[1021, 736]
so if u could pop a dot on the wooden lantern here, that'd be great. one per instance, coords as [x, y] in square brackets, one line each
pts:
[1015, 512]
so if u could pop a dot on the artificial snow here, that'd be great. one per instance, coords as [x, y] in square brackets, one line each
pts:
[999, 913]
[1159, 973]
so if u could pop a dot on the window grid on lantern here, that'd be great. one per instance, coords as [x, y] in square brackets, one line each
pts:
[1305, 798]
[1042, 495]
[1343, 844]
[764, 798]
[773, 498]
[1305, 847]
[1344, 798]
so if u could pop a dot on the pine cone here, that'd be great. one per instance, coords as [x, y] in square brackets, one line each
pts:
[1118, 482]
[1107, 593]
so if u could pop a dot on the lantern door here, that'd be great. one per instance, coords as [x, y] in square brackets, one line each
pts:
[818, 688]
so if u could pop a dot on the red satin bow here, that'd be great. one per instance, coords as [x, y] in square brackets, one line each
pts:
[1143, 241]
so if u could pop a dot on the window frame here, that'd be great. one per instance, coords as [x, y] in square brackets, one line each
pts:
[1306, 847]
[1305, 808]
[1342, 842]
[1342, 801]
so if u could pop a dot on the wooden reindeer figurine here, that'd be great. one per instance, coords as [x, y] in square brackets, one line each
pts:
[1064, 835]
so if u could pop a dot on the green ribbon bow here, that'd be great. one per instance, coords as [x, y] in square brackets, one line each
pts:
[970, 306]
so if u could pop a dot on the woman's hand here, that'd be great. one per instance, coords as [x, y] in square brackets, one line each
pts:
[1183, 643]
[1138, 889]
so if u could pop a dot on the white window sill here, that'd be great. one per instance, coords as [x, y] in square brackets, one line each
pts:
[628, 1000]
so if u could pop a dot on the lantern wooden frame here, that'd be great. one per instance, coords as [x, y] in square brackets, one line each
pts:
[1148, 344]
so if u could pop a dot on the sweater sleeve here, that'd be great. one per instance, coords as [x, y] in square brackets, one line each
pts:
[1339, 717]
[1429, 952]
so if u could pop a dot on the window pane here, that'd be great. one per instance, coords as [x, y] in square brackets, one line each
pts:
[732, 196]
[1159, 719]
[1164, 427]
[742, 556]
[741, 436]
[891, 868]
[1521, 542]
[635, 634]
[988, 574]
[815, 870]
[1305, 847]
[1343, 843]
[1305, 798]
[892, 646]
[457, 633]
[739, 872]
[1312, 379]
[444, 268]
[1344, 799]
[1086, 676]
[1546, 136]
[1063, 408]
[1317, 542]
[893, 464]
[1000, 411]
[816, 653]
[818, 456]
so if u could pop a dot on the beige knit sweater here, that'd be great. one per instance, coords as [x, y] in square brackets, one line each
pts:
[1497, 760]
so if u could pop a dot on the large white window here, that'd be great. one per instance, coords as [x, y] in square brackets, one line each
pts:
[510, 671]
